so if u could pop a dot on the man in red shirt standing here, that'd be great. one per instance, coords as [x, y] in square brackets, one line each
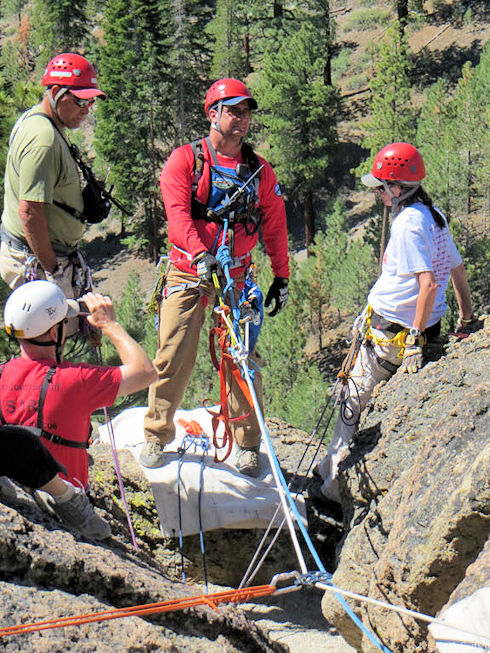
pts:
[197, 183]
[38, 390]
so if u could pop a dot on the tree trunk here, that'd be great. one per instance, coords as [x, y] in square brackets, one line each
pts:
[402, 11]
[309, 218]
[327, 69]
[278, 9]
[384, 229]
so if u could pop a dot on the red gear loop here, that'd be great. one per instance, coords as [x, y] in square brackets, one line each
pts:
[226, 368]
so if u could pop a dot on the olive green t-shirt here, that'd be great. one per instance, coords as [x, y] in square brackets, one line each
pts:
[40, 168]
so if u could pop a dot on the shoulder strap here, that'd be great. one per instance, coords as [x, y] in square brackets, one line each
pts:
[250, 157]
[42, 395]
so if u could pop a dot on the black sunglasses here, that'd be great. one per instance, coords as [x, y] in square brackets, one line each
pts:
[80, 102]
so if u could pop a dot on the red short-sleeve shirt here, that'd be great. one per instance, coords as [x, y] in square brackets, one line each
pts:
[75, 391]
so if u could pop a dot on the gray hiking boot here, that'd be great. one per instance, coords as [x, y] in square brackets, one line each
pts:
[79, 513]
[247, 461]
[152, 455]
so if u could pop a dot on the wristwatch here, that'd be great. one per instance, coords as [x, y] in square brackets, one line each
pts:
[415, 332]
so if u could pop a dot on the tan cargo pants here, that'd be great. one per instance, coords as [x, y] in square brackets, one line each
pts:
[182, 315]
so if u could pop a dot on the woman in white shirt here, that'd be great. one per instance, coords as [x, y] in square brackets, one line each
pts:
[406, 303]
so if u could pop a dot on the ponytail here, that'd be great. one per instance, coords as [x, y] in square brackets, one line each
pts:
[422, 196]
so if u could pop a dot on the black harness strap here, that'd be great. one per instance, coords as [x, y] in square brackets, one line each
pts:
[199, 210]
[38, 430]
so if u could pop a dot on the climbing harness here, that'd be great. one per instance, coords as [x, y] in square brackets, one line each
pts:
[194, 438]
[242, 205]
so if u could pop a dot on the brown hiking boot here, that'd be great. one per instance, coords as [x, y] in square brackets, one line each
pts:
[247, 461]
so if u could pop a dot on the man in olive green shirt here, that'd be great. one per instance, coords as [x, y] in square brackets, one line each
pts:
[41, 225]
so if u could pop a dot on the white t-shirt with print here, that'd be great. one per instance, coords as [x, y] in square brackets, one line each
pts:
[416, 245]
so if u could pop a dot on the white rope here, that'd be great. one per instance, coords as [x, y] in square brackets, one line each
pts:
[282, 494]
[395, 608]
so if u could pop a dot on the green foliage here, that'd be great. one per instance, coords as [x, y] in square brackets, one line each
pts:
[189, 61]
[299, 112]
[367, 19]
[392, 115]
[131, 314]
[453, 133]
[132, 71]
[308, 393]
[59, 26]
[226, 28]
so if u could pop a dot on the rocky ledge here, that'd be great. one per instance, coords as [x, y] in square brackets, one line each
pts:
[416, 498]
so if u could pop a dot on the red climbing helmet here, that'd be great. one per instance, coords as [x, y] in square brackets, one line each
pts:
[73, 71]
[396, 162]
[228, 91]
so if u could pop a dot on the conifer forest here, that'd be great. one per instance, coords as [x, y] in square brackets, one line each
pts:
[335, 81]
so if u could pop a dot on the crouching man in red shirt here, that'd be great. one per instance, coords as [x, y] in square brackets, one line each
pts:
[38, 390]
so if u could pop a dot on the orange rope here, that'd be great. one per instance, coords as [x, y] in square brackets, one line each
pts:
[211, 600]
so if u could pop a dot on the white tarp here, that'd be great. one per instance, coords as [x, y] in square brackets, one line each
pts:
[229, 499]
[471, 613]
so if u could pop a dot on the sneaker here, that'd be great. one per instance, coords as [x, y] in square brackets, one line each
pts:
[247, 461]
[79, 513]
[152, 455]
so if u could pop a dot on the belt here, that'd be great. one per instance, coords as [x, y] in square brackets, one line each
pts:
[15, 242]
[382, 324]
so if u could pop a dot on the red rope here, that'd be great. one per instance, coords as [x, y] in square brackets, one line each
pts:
[212, 600]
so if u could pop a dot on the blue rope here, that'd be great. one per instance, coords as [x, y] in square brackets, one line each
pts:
[297, 516]
[187, 442]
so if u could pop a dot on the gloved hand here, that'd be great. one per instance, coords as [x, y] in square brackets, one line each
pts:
[205, 264]
[465, 327]
[279, 293]
[413, 355]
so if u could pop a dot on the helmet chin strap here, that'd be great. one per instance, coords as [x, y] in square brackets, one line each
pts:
[395, 201]
[217, 125]
[58, 343]
[53, 101]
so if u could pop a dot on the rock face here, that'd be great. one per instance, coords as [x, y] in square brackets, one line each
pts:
[47, 572]
[416, 496]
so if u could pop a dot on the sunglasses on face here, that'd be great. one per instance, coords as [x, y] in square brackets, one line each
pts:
[81, 102]
[237, 112]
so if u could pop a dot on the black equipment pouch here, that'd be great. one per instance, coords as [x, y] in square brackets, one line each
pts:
[95, 207]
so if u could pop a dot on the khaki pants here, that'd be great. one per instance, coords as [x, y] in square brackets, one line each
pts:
[366, 374]
[182, 316]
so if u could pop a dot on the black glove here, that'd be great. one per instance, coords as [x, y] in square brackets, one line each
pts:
[206, 264]
[279, 293]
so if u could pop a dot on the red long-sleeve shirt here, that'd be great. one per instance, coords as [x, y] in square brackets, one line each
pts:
[194, 236]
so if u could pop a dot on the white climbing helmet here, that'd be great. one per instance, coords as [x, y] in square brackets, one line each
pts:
[36, 306]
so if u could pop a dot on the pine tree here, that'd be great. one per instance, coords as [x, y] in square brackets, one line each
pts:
[298, 114]
[133, 119]
[435, 144]
[59, 26]
[229, 29]
[190, 59]
[392, 116]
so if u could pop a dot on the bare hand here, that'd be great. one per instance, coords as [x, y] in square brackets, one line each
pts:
[101, 310]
